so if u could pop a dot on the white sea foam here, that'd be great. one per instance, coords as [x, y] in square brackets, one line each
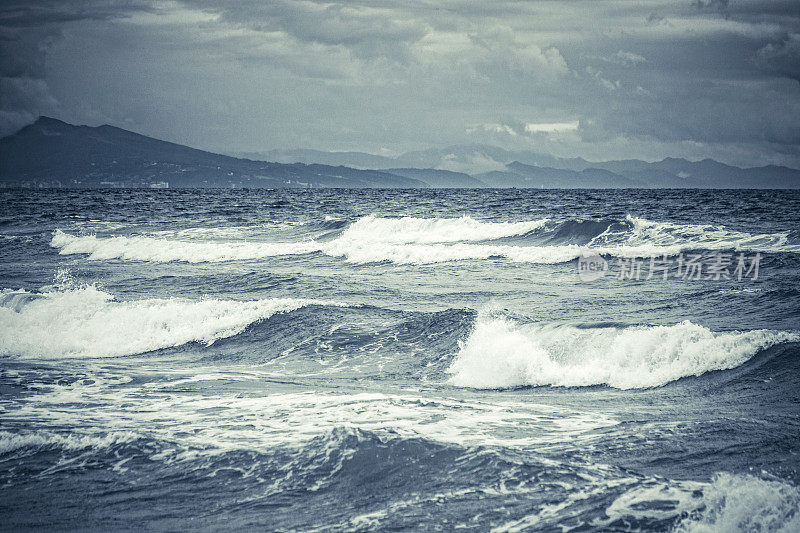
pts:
[745, 503]
[730, 502]
[353, 250]
[87, 322]
[10, 442]
[433, 230]
[412, 240]
[418, 254]
[166, 250]
[501, 353]
[705, 237]
[260, 422]
[369, 239]
[662, 500]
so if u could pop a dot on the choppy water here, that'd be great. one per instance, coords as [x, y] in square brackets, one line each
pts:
[339, 360]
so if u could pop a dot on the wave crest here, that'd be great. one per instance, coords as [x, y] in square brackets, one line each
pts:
[142, 248]
[501, 353]
[412, 240]
[745, 503]
[434, 230]
[11, 442]
[730, 502]
[704, 237]
[87, 322]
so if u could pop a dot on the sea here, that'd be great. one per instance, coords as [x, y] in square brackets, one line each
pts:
[400, 360]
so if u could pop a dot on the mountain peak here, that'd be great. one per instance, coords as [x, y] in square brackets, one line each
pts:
[50, 121]
[51, 152]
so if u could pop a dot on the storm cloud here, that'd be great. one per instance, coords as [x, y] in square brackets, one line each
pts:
[597, 79]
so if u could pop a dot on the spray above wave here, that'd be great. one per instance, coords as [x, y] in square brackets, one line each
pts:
[501, 353]
[87, 322]
[426, 241]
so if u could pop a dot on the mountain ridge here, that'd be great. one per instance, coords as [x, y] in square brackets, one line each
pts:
[51, 152]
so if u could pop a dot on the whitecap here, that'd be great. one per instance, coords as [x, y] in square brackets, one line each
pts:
[416, 241]
[88, 322]
[502, 353]
[730, 502]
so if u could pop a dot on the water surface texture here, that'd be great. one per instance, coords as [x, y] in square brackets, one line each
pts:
[369, 360]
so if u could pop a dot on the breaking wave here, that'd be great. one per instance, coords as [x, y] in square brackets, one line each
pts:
[730, 502]
[87, 322]
[411, 240]
[11, 442]
[501, 353]
[700, 237]
[745, 503]
[141, 248]
[433, 230]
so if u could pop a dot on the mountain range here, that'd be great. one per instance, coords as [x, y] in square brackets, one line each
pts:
[50, 152]
[53, 153]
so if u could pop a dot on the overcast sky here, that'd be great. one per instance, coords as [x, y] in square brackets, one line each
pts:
[599, 79]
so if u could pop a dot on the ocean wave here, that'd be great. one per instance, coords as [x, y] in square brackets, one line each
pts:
[433, 230]
[360, 252]
[501, 353]
[87, 322]
[730, 502]
[745, 503]
[384, 235]
[580, 231]
[140, 248]
[422, 254]
[702, 237]
[411, 240]
[11, 442]
[353, 251]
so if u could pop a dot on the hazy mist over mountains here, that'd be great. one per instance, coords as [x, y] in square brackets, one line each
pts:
[53, 153]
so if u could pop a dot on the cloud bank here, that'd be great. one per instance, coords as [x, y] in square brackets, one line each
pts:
[598, 79]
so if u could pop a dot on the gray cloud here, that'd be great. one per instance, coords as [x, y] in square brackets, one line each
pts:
[22, 67]
[703, 78]
[28, 30]
[711, 5]
[36, 13]
[782, 58]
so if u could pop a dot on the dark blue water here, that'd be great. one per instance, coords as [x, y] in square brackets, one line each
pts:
[404, 360]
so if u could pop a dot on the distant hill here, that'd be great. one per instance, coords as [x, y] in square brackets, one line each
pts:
[466, 159]
[497, 167]
[707, 173]
[359, 160]
[50, 152]
[530, 176]
[443, 179]
[669, 173]
[53, 153]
